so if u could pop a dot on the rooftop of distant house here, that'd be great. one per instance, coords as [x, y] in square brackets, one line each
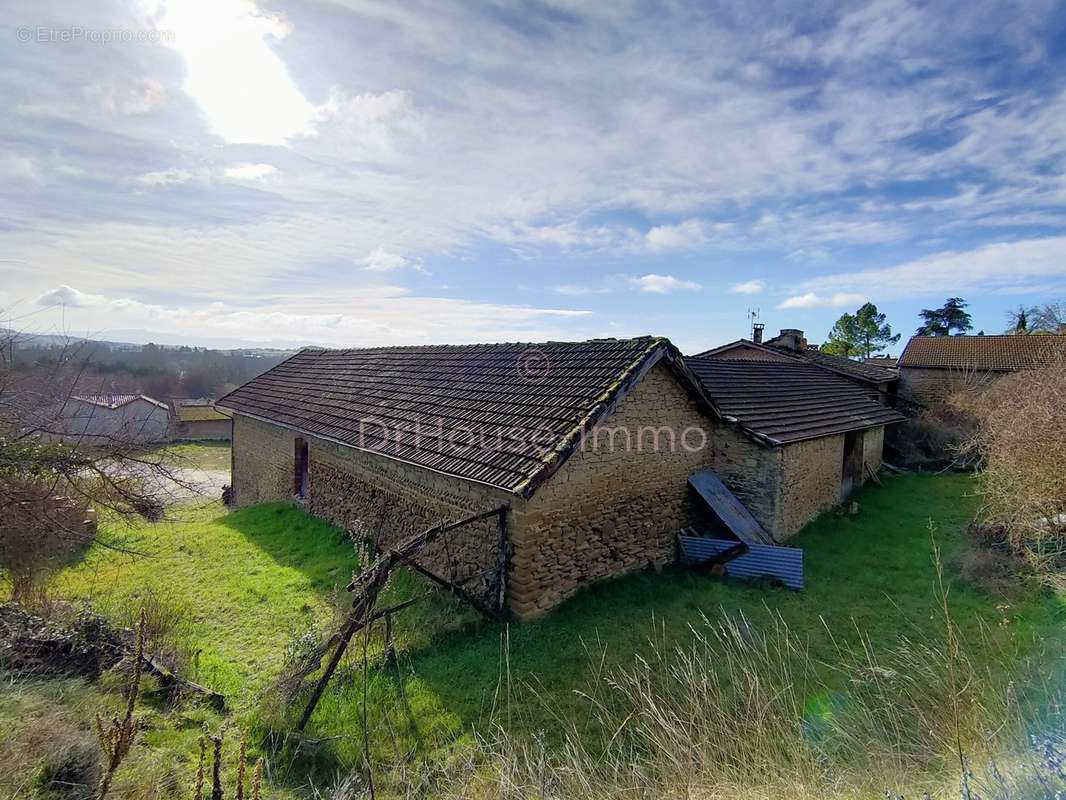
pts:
[114, 401]
[1005, 353]
[196, 409]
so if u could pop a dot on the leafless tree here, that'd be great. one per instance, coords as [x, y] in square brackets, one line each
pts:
[50, 476]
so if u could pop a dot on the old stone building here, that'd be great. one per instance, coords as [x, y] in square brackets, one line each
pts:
[790, 346]
[804, 439]
[933, 367]
[589, 446]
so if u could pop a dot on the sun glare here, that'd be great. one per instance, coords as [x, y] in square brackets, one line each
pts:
[240, 83]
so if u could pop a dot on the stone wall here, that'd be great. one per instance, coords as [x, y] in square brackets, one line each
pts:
[200, 430]
[751, 471]
[926, 387]
[263, 457]
[372, 497]
[873, 447]
[811, 475]
[615, 506]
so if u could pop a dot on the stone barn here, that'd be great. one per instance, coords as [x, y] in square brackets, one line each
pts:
[933, 367]
[588, 444]
[802, 440]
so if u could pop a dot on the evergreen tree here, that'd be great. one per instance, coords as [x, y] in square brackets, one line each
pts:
[860, 334]
[952, 316]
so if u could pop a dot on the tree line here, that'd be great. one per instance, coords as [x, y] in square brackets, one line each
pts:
[867, 332]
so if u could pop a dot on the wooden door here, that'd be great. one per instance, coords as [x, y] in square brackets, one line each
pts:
[851, 475]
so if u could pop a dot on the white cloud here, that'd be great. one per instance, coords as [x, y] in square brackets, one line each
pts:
[756, 286]
[661, 284]
[813, 300]
[992, 267]
[250, 172]
[165, 177]
[373, 316]
[689, 233]
[69, 296]
[381, 260]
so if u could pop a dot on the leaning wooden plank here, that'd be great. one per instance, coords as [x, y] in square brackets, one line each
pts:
[728, 508]
[171, 681]
[783, 563]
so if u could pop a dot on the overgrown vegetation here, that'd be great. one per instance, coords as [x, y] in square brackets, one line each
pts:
[1020, 437]
[472, 708]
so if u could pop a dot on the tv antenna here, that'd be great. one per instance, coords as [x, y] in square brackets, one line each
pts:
[755, 326]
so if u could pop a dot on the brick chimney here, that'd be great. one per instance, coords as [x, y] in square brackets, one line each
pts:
[790, 339]
[756, 332]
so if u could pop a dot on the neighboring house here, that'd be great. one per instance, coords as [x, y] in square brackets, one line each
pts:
[197, 419]
[111, 418]
[933, 367]
[813, 436]
[791, 346]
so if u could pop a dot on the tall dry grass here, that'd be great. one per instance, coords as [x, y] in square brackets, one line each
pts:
[745, 713]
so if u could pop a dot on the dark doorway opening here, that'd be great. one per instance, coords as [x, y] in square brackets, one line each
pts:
[851, 476]
[300, 465]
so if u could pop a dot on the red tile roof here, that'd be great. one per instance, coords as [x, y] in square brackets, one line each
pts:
[986, 353]
[506, 415]
[785, 402]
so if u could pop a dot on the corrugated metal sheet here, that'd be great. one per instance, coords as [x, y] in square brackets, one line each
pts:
[783, 563]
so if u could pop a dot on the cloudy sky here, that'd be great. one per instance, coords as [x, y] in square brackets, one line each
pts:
[354, 172]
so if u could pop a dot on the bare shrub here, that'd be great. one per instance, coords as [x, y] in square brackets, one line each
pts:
[38, 529]
[1021, 440]
[933, 437]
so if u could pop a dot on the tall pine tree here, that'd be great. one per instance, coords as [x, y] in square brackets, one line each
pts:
[860, 334]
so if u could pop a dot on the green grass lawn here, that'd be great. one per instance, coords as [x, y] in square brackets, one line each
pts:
[251, 580]
[200, 455]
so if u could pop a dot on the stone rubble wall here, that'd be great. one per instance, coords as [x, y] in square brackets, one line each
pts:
[927, 387]
[752, 472]
[614, 507]
[811, 477]
[372, 497]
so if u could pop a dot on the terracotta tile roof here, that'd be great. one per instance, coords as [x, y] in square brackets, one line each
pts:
[863, 371]
[785, 402]
[506, 415]
[991, 353]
